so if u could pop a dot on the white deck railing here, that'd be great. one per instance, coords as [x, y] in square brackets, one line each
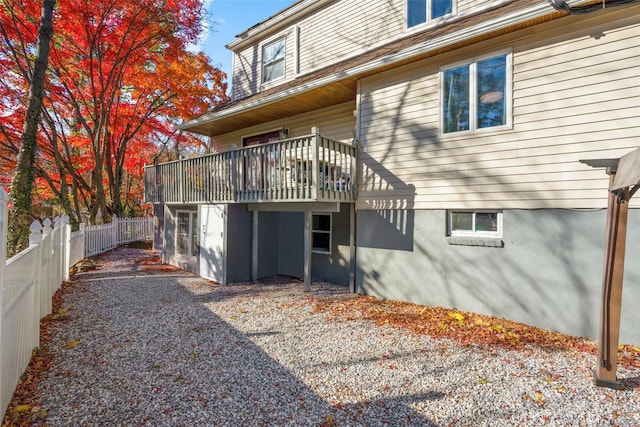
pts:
[306, 168]
[29, 280]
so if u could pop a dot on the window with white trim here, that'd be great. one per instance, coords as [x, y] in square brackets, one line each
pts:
[321, 234]
[273, 60]
[475, 223]
[186, 234]
[476, 95]
[421, 11]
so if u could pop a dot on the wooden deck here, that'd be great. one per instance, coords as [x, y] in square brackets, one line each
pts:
[308, 168]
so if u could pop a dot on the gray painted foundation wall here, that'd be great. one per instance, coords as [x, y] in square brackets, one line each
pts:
[158, 227]
[238, 235]
[548, 272]
[281, 247]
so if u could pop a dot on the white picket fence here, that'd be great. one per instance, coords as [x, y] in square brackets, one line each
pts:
[29, 280]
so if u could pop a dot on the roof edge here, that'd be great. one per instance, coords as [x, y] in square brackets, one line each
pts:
[274, 22]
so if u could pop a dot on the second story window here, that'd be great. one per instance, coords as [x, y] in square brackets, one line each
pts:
[421, 11]
[273, 55]
[476, 95]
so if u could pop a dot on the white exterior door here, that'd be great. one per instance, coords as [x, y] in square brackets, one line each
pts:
[212, 237]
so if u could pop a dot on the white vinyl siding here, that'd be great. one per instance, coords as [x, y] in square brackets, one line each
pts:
[573, 98]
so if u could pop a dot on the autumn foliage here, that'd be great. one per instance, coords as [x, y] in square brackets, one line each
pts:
[121, 78]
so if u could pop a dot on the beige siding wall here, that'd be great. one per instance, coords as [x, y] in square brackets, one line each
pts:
[245, 73]
[347, 27]
[574, 98]
[337, 122]
[343, 29]
[468, 5]
[247, 65]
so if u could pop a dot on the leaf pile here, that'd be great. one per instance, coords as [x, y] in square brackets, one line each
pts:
[465, 328]
[152, 264]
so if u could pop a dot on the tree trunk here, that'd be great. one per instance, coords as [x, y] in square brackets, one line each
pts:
[22, 184]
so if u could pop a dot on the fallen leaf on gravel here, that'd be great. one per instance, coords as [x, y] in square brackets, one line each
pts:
[21, 408]
[72, 344]
[465, 328]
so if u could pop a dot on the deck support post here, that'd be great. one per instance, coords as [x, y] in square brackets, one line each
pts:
[254, 245]
[308, 236]
[352, 248]
[609, 329]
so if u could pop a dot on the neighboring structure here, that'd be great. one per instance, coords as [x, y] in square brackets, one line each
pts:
[420, 150]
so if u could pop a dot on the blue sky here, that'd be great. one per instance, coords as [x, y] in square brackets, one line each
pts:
[227, 18]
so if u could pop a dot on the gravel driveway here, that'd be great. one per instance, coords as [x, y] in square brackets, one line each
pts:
[151, 346]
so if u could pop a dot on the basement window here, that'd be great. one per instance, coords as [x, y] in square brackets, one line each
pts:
[321, 234]
[475, 223]
[475, 228]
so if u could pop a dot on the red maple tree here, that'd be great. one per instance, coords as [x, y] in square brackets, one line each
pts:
[121, 77]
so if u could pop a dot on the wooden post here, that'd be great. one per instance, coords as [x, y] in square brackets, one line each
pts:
[616, 236]
[254, 245]
[352, 248]
[234, 186]
[315, 165]
[308, 221]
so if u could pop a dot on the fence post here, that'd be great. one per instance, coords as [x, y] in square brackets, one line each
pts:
[66, 244]
[35, 239]
[4, 198]
[58, 252]
[83, 250]
[114, 225]
[47, 277]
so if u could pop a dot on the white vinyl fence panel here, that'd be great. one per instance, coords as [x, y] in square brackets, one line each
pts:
[29, 280]
[20, 319]
[103, 237]
[76, 248]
